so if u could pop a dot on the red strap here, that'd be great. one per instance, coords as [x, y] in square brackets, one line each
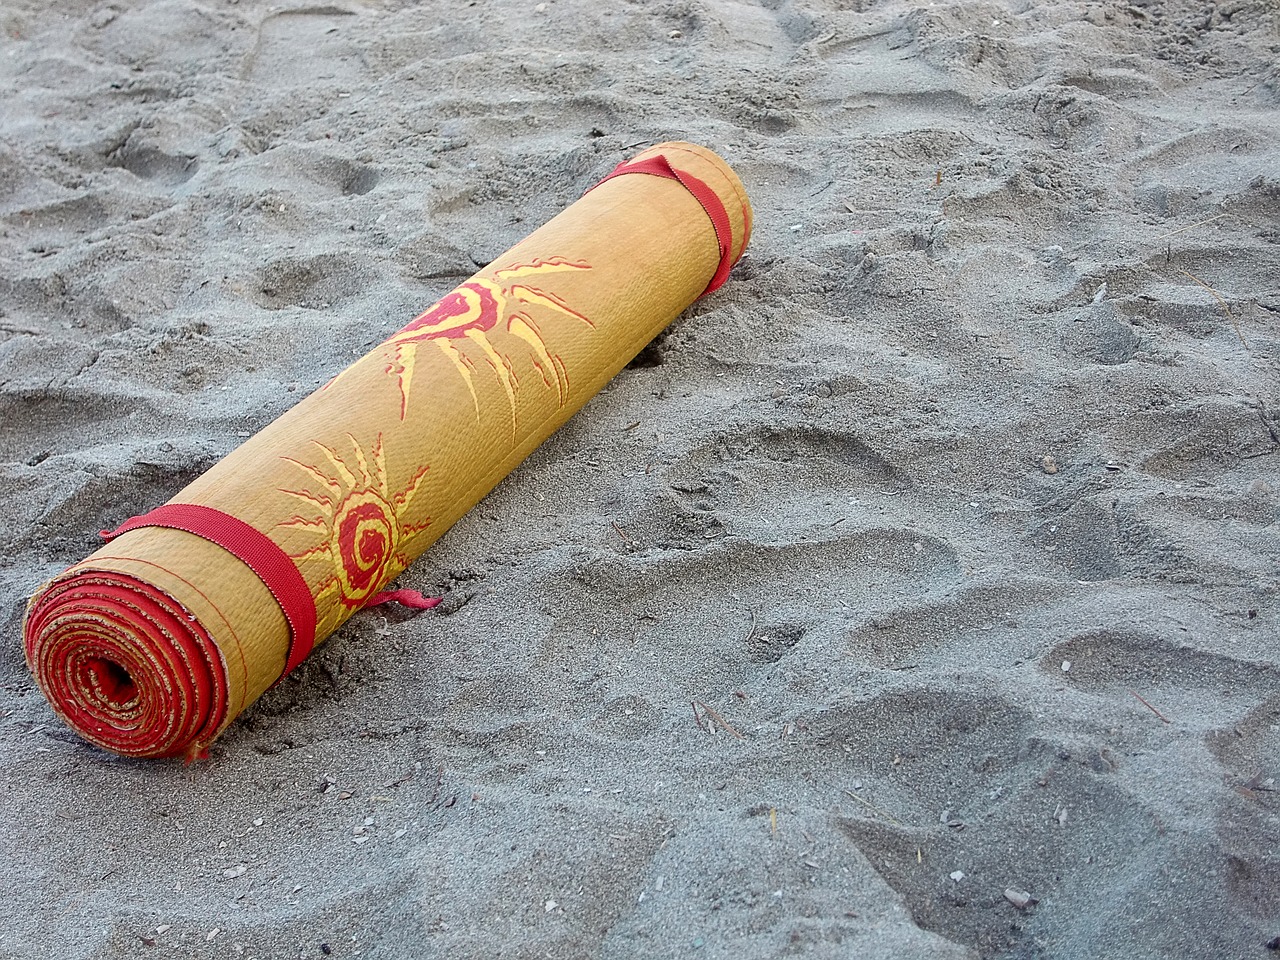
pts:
[253, 548]
[659, 166]
[406, 598]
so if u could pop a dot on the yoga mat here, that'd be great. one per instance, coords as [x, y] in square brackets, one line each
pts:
[151, 646]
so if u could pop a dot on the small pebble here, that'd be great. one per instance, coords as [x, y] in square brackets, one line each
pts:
[1049, 465]
[549, 906]
[957, 875]
[1066, 666]
[239, 870]
[1019, 898]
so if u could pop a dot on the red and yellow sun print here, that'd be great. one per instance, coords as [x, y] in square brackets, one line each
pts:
[473, 311]
[360, 525]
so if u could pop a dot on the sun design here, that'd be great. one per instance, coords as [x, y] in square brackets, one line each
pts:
[360, 523]
[471, 313]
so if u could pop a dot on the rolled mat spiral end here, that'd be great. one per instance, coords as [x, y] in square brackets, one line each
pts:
[126, 666]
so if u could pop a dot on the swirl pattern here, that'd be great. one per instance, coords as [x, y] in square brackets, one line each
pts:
[361, 524]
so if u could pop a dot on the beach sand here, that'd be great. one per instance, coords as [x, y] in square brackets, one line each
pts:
[934, 557]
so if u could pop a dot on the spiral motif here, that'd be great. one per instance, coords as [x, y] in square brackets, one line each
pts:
[472, 306]
[364, 545]
[479, 308]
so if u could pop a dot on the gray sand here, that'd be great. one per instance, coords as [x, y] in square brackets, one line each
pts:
[965, 459]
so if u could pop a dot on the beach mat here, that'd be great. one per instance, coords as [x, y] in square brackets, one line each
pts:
[154, 644]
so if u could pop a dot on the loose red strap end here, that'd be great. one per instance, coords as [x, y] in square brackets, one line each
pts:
[406, 598]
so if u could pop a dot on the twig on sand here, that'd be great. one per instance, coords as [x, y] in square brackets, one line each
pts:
[1269, 75]
[714, 716]
[403, 778]
[1142, 700]
[1190, 226]
[874, 809]
[1230, 316]
[618, 530]
[752, 632]
[1256, 783]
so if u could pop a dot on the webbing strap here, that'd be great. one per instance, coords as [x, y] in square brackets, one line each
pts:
[255, 550]
[659, 166]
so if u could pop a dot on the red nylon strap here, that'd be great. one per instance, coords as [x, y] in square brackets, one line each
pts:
[256, 551]
[659, 166]
[406, 598]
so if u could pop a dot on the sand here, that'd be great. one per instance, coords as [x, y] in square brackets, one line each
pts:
[934, 557]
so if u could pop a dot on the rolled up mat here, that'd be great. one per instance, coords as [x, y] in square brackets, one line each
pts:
[154, 644]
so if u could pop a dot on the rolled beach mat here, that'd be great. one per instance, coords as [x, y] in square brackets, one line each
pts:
[154, 644]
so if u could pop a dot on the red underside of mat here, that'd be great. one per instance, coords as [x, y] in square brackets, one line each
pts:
[125, 662]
